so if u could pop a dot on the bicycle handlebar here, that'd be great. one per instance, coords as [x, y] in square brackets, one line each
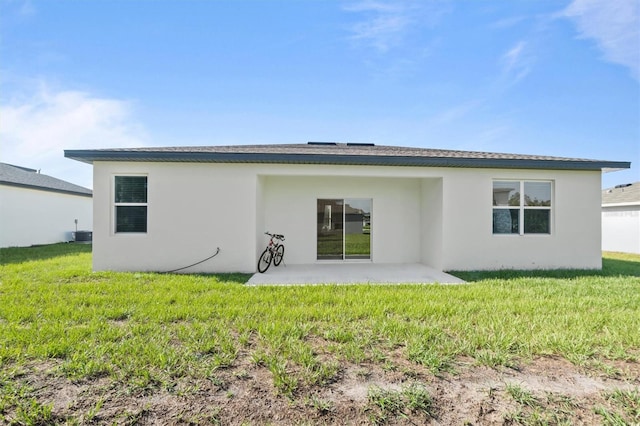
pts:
[276, 236]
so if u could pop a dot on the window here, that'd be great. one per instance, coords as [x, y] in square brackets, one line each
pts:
[521, 207]
[130, 202]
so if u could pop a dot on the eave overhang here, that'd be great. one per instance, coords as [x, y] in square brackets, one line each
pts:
[91, 156]
[628, 204]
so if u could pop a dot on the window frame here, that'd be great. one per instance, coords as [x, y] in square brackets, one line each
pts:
[115, 205]
[522, 207]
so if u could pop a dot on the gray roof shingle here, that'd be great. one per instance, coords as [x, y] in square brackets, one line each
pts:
[29, 178]
[622, 194]
[340, 153]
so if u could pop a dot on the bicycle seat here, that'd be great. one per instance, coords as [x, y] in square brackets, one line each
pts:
[279, 236]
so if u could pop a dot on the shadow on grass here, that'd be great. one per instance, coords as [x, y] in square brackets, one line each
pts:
[15, 255]
[627, 266]
[223, 277]
[43, 252]
[610, 268]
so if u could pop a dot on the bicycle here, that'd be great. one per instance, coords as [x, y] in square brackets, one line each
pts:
[274, 252]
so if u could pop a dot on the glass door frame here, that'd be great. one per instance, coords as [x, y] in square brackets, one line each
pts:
[335, 225]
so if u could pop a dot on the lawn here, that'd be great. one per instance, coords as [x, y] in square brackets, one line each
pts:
[221, 352]
[353, 245]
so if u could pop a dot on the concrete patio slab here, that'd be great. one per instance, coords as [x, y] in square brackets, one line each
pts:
[351, 273]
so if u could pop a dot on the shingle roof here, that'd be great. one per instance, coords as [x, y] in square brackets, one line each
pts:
[340, 153]
[29, 178]
[622, 194]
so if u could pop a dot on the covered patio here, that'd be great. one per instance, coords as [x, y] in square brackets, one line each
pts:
[351, 273]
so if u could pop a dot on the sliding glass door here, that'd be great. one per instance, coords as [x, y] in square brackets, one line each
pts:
[344, 229]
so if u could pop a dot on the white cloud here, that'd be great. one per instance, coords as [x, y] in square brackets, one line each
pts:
[36, 130]
[381, 31]
[615, 27]
[27, 8]
[385, 24]
[507, 22]
[21, 7]
[513, 55]
[516, 62]
[378, 6]
[455, 113]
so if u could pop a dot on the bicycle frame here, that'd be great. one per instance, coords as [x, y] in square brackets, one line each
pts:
[273, 245]
[274, 253]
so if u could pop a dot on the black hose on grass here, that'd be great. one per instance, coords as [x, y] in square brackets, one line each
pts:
[194, 264]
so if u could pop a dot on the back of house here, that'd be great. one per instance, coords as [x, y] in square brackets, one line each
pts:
[157, 209]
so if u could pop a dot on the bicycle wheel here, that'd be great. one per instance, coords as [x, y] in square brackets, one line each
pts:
[279, 255]
[265, 260]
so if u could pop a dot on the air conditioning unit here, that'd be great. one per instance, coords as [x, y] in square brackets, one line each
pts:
[82, 237]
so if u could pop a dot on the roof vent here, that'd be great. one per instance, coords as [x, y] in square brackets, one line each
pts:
[322, 143]
[360, 144]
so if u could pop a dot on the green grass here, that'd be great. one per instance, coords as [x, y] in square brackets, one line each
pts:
[353, 244]
[554, 409]
[521, 395]
[357, 244]
[384, 404]
[147, 330]
[626, 406]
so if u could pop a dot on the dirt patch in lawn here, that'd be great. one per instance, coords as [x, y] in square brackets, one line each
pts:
[397, 392]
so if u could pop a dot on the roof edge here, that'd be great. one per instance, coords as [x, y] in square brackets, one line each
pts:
[623, 204]
[89, 156]
[42, 188]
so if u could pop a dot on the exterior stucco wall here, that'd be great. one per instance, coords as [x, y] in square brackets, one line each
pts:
[260, 225]
[290, 209]
[31, 216]
[468, 241]
[431, 226]
[441, 217]
[192, 210]
[621, 228]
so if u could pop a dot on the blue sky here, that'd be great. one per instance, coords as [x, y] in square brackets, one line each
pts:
[533, 77]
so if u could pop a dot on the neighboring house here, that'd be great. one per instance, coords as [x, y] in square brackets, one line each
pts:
[621, 218]
[157, 209]
[40, 209]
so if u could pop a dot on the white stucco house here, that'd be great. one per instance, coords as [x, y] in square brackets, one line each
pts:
[40, 209]
[156, 209]
[621, 218]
